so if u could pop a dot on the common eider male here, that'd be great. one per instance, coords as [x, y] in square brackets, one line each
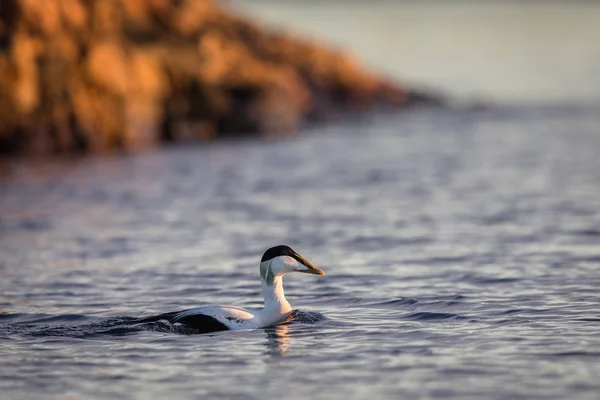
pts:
[276, 262]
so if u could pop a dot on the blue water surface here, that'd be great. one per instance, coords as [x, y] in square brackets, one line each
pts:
[462, 252]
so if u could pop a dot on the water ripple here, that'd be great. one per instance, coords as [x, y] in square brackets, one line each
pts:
[460, 250]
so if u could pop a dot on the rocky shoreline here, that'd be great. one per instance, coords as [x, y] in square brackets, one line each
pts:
[91, 76]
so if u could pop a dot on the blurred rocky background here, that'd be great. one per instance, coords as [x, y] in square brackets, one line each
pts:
[92, 76]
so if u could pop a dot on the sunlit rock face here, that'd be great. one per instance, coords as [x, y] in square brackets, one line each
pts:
[90, 76]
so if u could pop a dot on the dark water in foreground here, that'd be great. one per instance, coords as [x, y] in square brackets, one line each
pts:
[462, 253]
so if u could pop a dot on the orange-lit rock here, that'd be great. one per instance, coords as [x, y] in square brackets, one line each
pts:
[81, 75]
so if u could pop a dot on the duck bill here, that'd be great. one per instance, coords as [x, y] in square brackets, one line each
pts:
[311, 269]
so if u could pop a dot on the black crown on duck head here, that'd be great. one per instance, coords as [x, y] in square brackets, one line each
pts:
[277, 251]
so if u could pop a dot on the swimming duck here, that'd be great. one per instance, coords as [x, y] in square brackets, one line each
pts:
[274, 264]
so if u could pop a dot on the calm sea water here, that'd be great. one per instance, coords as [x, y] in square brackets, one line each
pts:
[461, 250]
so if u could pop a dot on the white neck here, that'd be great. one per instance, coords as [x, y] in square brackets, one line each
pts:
[276, 306]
